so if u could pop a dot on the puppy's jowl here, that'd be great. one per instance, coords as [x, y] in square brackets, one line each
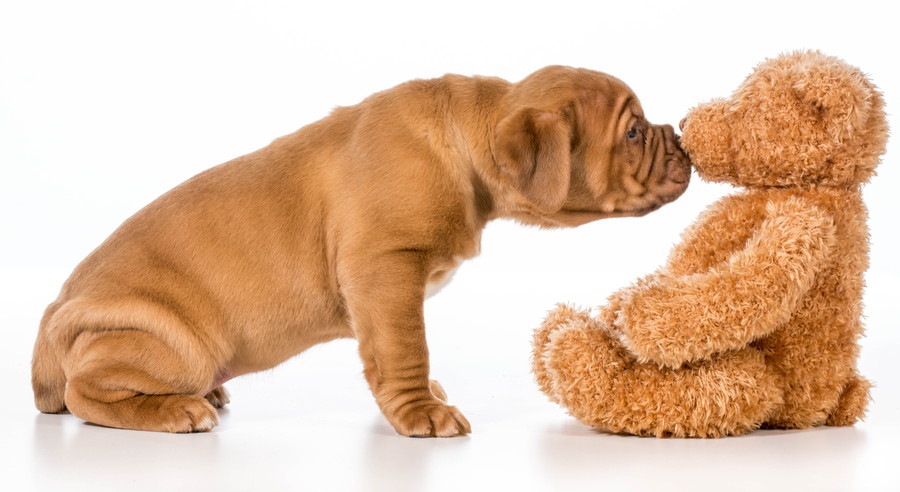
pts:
[337, 230]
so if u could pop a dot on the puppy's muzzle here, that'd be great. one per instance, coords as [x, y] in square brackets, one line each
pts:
[677, 165]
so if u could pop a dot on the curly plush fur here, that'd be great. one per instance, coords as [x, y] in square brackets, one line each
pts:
[754, 319]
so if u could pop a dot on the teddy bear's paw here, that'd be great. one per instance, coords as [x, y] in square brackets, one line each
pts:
[651, 320]
[608, 314]
[649, 345]
[615, 316]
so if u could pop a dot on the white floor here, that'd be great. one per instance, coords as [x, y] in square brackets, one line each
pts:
[311, 424]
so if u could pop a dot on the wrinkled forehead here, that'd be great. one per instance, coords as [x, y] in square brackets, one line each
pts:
[557, 87]
[609, 107]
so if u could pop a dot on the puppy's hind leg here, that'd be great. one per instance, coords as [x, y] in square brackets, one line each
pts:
[47, 377]
[130, 379]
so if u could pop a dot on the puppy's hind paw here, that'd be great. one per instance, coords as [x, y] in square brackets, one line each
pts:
[218, 397]
[196, 415]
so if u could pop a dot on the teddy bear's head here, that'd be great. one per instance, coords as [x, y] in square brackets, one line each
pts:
[802, 118]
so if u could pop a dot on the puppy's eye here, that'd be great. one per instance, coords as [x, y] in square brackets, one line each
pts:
[633, 133]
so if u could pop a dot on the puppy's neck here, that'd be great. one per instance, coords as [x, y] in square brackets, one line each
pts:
[479, 103]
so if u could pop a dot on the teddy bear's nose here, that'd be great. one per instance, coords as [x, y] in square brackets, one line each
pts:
[681, 124]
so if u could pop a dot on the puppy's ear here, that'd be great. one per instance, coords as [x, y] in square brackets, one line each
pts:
[532, 148]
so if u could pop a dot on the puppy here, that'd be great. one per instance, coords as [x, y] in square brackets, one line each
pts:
[338, 230]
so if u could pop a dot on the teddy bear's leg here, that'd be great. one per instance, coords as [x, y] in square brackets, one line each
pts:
[563, 316]
[851, 405]
[604, 386]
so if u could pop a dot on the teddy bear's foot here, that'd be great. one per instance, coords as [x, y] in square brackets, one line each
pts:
[851, 406]
[564, 316]
[603, 385]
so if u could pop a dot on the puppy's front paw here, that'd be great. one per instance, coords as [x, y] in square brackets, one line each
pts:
[429, 418]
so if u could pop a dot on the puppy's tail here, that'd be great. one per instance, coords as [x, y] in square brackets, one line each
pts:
[48, 380]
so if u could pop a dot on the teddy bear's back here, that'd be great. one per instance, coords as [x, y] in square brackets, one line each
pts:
[815, 351]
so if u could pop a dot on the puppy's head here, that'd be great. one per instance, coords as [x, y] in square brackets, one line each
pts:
[575, 147]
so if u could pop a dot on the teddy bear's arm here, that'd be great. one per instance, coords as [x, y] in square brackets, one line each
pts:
[673, 320]
[708, 242]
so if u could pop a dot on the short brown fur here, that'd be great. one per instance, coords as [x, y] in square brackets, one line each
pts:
[337, 230]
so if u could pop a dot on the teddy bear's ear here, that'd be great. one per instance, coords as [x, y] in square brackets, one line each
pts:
[838, 94]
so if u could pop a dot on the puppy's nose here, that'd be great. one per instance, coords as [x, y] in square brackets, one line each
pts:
[681, 124]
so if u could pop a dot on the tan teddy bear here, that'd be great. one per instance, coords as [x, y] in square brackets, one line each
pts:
[754, 319]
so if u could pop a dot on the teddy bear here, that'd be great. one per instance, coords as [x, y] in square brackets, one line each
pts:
[753, 320]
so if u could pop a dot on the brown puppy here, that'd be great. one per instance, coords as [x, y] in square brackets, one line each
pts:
[337, 230]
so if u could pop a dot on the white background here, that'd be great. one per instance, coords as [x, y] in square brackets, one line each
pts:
[106, 105]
